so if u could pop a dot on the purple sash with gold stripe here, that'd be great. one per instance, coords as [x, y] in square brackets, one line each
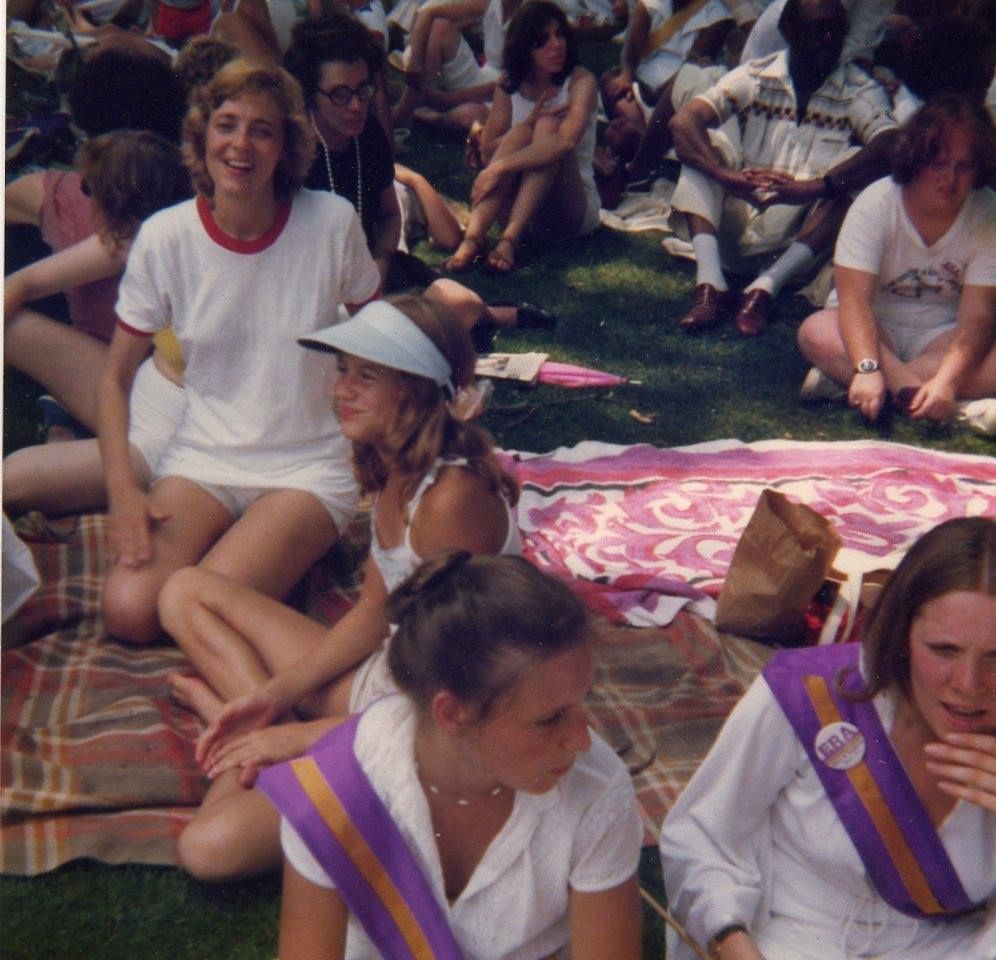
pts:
[866, 782]
[328, 799]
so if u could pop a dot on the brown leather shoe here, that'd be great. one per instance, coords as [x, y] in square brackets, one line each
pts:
[709, 308]
[754, 313]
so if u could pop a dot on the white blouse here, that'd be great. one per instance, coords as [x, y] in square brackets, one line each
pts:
[754, 839]
[582, 835]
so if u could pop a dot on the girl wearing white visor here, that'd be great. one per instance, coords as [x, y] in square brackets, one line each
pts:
[437, 486]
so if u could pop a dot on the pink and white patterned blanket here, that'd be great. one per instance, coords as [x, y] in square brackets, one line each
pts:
[646, 531]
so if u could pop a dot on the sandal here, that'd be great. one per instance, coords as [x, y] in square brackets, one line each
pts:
[466, 255]
[503, 262]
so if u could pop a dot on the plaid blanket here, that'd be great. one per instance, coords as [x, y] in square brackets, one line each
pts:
[95, 758]
[98, 762]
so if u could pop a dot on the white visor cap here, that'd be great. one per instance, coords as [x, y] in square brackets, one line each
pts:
[382, 333]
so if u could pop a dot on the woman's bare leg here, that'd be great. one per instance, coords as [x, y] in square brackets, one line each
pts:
[822, 345]
[194, 694]
[236, 637]
[484, 213]
[273, 544]
[59, 478]
[194, 520]
[62, 359]
[551, 197]
[235, 834]
[441, 47]
[249, 29]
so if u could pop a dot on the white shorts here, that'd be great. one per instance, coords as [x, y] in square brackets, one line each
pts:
[463, 71]
[154, 410]
[907, 340]
[338, 499]
[910, 341]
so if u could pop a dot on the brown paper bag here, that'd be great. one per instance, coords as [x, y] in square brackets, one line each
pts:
[782, 559]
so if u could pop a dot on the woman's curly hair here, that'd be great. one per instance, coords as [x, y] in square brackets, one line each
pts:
[339, 38]
[233, 80]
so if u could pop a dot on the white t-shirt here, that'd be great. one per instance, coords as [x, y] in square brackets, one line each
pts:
[918, 286]
[258, 408]
[754, 839]
[584, 835]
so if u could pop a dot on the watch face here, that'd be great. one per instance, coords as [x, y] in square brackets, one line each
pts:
[867, 366]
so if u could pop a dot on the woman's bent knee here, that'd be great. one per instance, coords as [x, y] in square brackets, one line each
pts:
[179, 592]
[18, 482]
[129, 609]
[222, 843]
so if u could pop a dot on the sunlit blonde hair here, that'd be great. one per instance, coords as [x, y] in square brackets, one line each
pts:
[239, 77]
[424, 429]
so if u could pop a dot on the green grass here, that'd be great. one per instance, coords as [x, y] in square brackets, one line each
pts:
[618, 297]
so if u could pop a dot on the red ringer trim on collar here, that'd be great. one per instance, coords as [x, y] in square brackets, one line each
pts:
[258, 245]
[130, 329]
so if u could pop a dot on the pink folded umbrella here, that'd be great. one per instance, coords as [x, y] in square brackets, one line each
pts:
[573, 377]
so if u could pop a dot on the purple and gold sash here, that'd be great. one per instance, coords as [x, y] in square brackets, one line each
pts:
[328, 799]
[866, 781]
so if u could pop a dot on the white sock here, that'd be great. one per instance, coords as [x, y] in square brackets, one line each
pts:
[708, 268]
[791, 263]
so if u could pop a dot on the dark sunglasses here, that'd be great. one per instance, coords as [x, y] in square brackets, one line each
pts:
[342, 95]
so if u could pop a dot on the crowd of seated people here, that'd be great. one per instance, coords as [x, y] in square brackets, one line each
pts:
[247, 381]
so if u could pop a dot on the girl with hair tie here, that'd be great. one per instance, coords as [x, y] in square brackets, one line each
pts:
[506, 826]
[437, 486]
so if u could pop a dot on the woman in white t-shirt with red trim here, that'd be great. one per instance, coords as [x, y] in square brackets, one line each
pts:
[257, 482]
[915, 270]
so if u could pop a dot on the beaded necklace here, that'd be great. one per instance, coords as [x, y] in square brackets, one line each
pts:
[328, 166]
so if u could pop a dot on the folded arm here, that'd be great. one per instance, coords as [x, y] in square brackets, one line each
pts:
[542, 151]
[84, 262]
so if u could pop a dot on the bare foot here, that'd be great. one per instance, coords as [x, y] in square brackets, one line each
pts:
[194, 694]
[502, 258]
[467, 254]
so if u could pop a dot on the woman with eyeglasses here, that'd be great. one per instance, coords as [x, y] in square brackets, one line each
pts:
[336, 62]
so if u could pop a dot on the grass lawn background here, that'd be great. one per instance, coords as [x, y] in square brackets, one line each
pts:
[618, 297]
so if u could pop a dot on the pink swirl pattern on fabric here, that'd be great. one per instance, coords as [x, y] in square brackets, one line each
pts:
[643, 530]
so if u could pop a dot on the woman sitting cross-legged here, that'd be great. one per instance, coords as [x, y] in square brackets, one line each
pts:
[402, 366]
[915, 267]
[507, 828]
[256, 482]
[539, 138]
